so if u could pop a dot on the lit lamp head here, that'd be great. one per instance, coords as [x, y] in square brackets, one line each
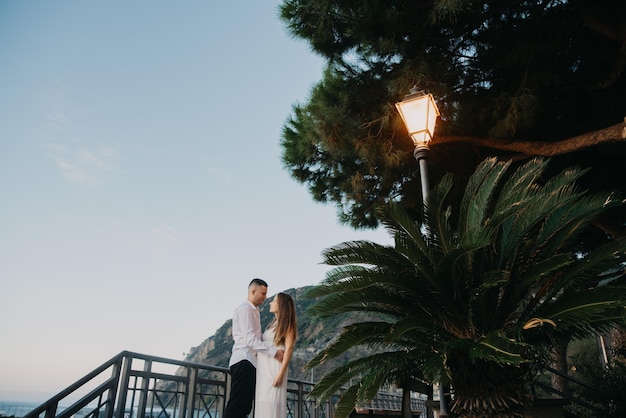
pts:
[419, 113]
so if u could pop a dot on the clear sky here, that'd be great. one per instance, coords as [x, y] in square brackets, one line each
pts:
[141, 185]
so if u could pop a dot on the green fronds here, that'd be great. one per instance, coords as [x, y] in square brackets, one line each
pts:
[600, 266]
[500, 349]
[359, 380]
[582, 312]
[438, 215]
[489, 294]
[476, 204]
[517, 190]
[357, 288]
[333, 382]
[407, 233]
[360, 252]
[536, 274]
[347, 402]
[565, 223]
[416, 330]
[366, 334]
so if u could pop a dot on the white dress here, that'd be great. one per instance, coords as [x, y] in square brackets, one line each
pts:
[269, 401]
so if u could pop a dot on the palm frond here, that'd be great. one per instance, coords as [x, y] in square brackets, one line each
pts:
[529, 286]
[409, 240]
[606, 261]
[476, 202]
[401, 226]
[333, 382]
[499, 348]
[518, 188]
[368, 253]
[585, 306]
[359, 252]
[438, 216]
[363, 377]
[367, 334]
[564, 225]
[347, 401]
[420, 329]
[356, 288]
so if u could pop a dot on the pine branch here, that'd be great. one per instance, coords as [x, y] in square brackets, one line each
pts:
[616, 132]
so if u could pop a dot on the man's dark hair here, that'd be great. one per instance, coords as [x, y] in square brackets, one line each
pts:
[258, 282]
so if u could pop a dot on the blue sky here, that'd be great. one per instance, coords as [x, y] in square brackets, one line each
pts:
[141, 180]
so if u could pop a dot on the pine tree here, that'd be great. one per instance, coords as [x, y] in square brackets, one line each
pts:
[512, 79]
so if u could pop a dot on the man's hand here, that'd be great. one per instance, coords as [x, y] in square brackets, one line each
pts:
[279, 355]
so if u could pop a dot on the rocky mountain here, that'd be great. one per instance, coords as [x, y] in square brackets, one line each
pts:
[313, 334]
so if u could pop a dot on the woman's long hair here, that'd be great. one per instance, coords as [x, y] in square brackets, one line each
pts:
[285, 320]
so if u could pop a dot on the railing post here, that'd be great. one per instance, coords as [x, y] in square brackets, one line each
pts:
[190, 393]
[145, 387]
[112, 395]
[226, 392]
[300, 399]
[123, 386]
[51, 412]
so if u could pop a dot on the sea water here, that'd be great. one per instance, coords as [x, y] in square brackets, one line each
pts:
[16, 408]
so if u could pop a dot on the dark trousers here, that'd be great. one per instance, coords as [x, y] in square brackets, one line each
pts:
[243, 380]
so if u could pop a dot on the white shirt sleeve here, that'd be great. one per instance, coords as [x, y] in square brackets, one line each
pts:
[251, 327]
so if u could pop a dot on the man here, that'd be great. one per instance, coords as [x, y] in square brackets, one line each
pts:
[247, 335]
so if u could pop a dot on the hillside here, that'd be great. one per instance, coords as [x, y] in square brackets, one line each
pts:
[313, 334]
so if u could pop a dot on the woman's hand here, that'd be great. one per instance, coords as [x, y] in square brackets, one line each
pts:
[278, 381]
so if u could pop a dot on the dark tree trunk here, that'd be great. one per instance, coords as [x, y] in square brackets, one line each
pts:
[618, 345]
[559, 362]
[486, 389]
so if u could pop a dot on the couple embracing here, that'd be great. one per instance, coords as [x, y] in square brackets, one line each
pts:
[260, 360]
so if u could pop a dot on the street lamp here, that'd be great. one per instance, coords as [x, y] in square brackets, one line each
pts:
[419, 113]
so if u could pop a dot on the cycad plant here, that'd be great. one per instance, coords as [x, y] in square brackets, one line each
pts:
[475, 305]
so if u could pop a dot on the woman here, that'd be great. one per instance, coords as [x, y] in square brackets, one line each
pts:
[270, 399]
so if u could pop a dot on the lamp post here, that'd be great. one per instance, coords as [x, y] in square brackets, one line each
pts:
[419, 113]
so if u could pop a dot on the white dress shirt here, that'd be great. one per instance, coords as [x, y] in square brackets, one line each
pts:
[247, 335]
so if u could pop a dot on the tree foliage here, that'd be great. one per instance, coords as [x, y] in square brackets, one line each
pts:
[477, 303]
[504, 73]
